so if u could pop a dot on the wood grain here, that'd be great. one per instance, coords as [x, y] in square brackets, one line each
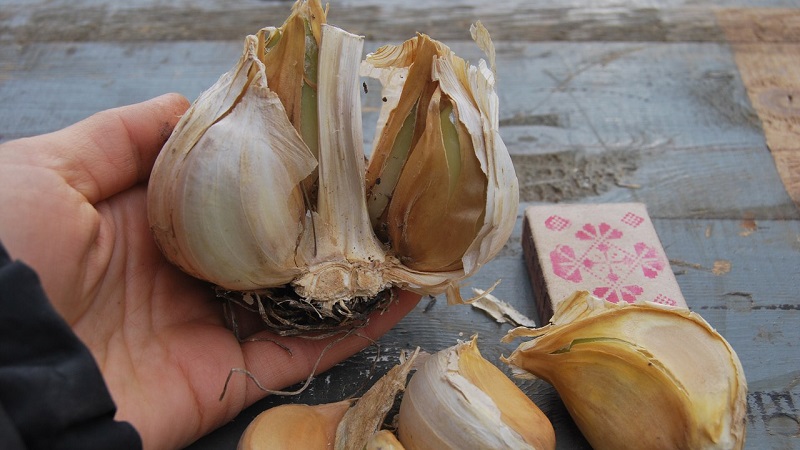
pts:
[687, 106]
[585, 122]
[767, 50]
[517, 20]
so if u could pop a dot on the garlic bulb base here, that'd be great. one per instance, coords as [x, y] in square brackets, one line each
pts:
[283, 312]
[337, 282]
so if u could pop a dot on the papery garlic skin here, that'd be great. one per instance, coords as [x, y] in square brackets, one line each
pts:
[476, 192]
[458, 400]
[262, 183]
[224, 205]
[639, 375]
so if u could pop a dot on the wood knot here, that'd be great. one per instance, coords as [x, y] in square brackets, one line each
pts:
[781, 101]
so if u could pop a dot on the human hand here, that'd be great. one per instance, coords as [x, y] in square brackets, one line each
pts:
[73, 208]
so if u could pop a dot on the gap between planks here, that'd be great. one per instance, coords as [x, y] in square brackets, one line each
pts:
[766, 46]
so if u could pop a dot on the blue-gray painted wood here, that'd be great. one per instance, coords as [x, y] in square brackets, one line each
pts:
[585, 122]
[635, 101]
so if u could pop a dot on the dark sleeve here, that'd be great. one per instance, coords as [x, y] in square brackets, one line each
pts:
[52, 394]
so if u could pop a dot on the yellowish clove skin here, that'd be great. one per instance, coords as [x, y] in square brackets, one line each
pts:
[295, 427]
[639, 376]
[459, 400]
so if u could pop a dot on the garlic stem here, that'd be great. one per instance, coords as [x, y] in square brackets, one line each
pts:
[341, 250]
[341, 202]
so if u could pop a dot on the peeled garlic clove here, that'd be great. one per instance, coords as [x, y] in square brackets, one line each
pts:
[459, 400]
[639, 376]
[293, 427]
[438, 157]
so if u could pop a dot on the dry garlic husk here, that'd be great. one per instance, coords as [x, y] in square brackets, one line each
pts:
[459, 400]
[639, 375]
[263, 184]
[344, 425]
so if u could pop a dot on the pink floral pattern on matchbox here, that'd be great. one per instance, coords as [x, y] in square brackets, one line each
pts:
[556, 223]
[664, 300]
[597, 255]
[632, 219]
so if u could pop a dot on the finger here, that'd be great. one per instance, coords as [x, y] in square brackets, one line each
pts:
[283, 369]
[111, 150]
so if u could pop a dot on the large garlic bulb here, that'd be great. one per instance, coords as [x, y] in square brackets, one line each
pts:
[459, 400]
[262, 184]
[639, 376]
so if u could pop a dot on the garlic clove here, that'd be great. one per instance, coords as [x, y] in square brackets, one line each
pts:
[629, 368]
[210, 230]
[459, 400]
[343, 425]
[438, 158]
[384, 440]
[292, 427]
[422, 201]
[290, 54]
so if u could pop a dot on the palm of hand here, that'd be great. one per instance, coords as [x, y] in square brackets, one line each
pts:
[76, 213]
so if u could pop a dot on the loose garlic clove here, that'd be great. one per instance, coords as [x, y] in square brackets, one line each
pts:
[639, 376]
[384, 440]
[459, 400]
[293, 427]
[224, 202]
[261, 189]
[342, 425]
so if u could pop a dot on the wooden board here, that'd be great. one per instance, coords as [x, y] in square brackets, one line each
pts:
[674, 103]
[767, 48]
[585, 122]
[517, 20]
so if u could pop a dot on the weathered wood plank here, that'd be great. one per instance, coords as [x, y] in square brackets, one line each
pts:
[584, 122]
[666, 21]
[554, 96]
[683, 183]
[760, 24]
[767, 48]
[751, 299]
[654, 111]
[755, 306]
